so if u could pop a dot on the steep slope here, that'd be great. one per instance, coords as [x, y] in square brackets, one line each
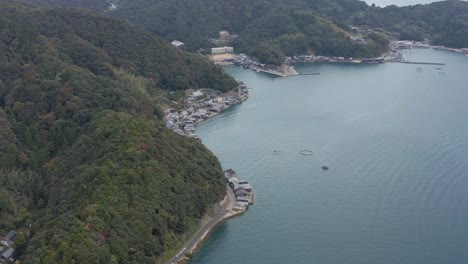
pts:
[87, 167]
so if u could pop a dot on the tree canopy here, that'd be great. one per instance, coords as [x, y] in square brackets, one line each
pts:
[89, 173]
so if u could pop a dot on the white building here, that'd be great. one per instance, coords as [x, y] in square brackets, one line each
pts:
[177, 43]
[197, 94]
[222, 50]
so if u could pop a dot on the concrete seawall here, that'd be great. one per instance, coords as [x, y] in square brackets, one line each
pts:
[194, 243]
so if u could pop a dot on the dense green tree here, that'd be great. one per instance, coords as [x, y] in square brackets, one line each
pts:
[88, 171]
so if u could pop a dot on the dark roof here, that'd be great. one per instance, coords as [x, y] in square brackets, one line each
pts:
[242, 198]
[8, 253]
[11, 234]
[230, 171]
[241, 192]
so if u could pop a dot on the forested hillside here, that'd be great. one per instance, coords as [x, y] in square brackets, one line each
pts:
[275, 28]
[445, 23]
[88, 171]
[268, 30]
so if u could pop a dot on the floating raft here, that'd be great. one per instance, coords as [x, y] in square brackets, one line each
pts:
[306, 152]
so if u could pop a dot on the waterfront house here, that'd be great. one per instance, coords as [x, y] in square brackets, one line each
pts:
[233, 180]
[241, 192]
[245, 185]
[229, 173]
[244, 199]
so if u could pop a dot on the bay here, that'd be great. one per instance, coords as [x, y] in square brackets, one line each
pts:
[395, 137]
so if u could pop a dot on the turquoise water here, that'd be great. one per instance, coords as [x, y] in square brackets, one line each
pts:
[395, 138]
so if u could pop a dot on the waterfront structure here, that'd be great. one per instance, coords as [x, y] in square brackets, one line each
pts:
[241, 188]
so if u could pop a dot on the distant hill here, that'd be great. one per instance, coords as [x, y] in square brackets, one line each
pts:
[269, 30]
[275, 28]
[87, 167]
[444, 23]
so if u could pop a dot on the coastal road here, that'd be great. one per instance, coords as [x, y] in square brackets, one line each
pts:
[205, 229]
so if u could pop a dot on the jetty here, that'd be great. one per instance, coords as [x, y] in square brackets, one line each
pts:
[422, 63]
[283, 71]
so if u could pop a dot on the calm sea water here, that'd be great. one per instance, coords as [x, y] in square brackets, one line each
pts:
[395, 138]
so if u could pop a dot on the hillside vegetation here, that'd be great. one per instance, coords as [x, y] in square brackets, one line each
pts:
[444, 23]
[273, 29]
[88, 171]
[268, 30]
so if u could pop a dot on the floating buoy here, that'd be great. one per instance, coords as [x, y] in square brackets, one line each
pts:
[306, 152]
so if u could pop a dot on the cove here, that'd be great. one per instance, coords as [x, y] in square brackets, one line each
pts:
[395, 140]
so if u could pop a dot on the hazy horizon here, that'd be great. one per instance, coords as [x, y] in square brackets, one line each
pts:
[384, 3]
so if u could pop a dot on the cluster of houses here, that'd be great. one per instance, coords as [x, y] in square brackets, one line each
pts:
[6, 247]
[315, 58]
[409, 44]
[242, 190]
[202, 104]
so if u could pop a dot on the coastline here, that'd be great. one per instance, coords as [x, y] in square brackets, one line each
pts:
[202, 105]
[196, 240]
[239, 193]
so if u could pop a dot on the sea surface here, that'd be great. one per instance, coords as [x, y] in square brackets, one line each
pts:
[395, 138]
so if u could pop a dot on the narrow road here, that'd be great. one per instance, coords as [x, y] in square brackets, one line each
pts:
[207, 227]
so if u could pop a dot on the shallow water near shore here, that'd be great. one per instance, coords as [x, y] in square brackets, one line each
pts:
[395, 137]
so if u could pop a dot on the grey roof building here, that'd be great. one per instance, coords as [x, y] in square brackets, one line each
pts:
[11, 236]
[7, 254]
[229, 173]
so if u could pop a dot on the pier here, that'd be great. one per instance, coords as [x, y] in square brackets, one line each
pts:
[310, 73]
[284, 71]
[423, 63]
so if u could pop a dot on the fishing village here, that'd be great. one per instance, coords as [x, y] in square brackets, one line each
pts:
[200, 105]
[225, 55]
